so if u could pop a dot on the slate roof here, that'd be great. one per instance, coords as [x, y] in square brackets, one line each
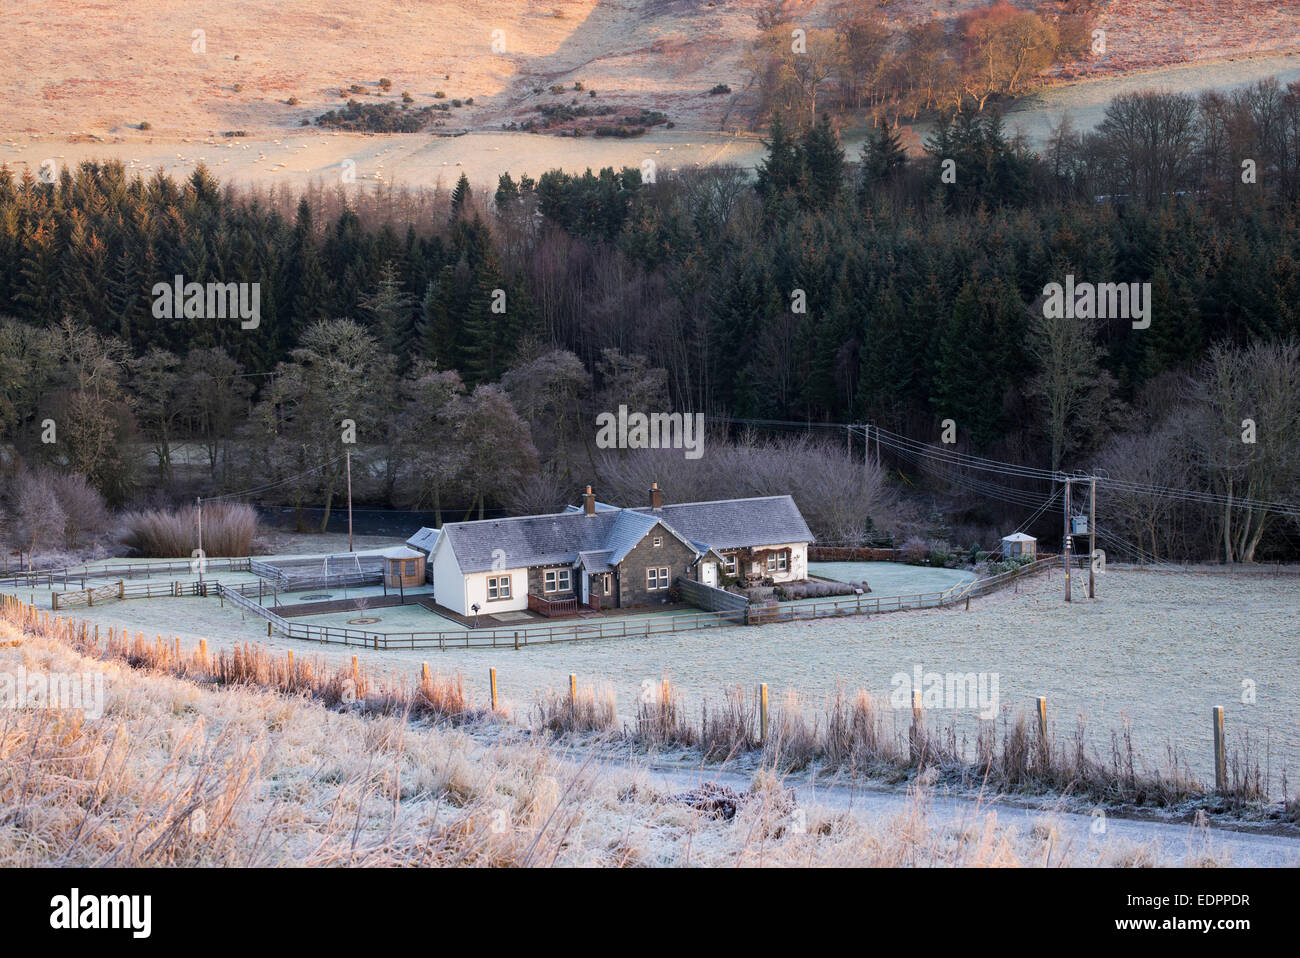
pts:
[424, 540]
[605, 539]
[737, 523]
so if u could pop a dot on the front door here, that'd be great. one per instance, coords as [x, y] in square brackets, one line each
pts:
[709, 574]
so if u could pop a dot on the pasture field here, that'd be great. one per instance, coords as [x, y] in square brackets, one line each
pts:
[1157, 650]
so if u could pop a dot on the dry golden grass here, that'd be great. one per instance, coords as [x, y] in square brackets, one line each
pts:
[242, 759]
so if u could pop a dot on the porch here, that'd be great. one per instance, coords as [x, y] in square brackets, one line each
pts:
[553, 608]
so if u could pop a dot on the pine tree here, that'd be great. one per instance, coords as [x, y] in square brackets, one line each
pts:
[389, 310]
[779, 178]
[823, 160]
[460, 196]
[883, 157]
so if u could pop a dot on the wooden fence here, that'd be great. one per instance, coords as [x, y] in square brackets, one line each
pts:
[709, 598]
[241, 595]
[87, 597]
[80, 574]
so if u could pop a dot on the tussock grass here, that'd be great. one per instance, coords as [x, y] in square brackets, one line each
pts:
[592, 710]
[858, 733]
[228, 530]
[236, 760]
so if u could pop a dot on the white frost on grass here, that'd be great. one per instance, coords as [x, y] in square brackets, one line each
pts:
[1158, 650]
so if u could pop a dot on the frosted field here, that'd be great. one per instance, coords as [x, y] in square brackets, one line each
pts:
[1160, 649]
[891, 578]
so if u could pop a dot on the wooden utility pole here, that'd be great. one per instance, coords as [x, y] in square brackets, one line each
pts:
[1092, 537]
[348, 453]
[1066, 550]
[199, 501]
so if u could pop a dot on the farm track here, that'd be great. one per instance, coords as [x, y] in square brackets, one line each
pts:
[1181, 843]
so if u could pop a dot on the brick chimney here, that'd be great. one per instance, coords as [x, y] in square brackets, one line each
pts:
[656, 497]
[589, 502]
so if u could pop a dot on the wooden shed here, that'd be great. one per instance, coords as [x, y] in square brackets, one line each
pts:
[403, 567]
[1019, 544]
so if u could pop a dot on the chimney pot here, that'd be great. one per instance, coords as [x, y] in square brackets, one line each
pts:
[589, 502]
[656, 497]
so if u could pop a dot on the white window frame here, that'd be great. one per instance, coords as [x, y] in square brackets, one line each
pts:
[729, 564]
[771, 562]
[658, 541]
[552, 579]
[658, 578]
[498, 587]
[782, 561]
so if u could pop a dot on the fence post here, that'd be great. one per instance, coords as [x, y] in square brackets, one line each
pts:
[424, 673]
[1220, 752]
[762, 713]
[268, 628]
[914, 732]
[1040, 708]
[516, 641]
[492, 681]
[573, 689]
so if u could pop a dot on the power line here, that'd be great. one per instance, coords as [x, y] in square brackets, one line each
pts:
[272, 485]
[951, 457]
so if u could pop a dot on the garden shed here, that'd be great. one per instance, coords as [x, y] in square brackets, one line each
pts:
[1018, 544]
[403, 567]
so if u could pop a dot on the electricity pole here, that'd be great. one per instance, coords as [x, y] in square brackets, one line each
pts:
[199, 501]
[349, 455]
[1067, 540]
[1092, 537]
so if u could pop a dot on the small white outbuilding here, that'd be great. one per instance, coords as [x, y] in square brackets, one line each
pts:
[1019, 544]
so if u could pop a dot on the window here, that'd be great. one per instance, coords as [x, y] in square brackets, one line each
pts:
[656, 579]
[659, 540]
[410, 567]
[782, 561]
[557, 580]
[498, 587]
[771, 562]
[729, 563]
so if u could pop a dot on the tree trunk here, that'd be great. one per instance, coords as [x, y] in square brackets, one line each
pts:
[329, 501]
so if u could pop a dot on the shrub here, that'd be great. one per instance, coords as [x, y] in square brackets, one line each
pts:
[914, 551]
[385, 84]
[83, 508]
[228, 530]
[40, 519]
[376, 118]
[456, 103]
[146, 125]
[292, 101]
[439, 95]
[720, 90]
[238, 87]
